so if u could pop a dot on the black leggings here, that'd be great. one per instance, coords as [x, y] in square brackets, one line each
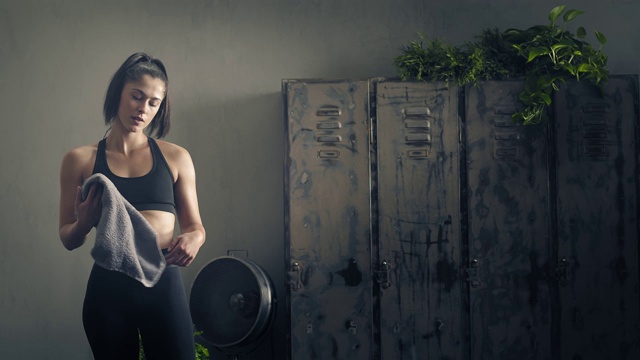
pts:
[116, 307]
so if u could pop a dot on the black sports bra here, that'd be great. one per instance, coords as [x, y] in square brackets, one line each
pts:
[152, 191]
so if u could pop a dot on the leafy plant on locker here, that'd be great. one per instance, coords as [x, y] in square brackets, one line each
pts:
[545, 56]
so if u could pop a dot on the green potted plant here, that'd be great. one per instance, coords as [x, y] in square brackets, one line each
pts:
[202, 353]
[545, 56]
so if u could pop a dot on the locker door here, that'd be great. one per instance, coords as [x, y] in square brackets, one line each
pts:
[597, 220]
[508, 222]
[328, 220]
[419, 221]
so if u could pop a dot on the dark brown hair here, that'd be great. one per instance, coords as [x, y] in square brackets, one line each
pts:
[133, 69]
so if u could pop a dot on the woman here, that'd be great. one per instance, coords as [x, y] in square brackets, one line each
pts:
[158, 179]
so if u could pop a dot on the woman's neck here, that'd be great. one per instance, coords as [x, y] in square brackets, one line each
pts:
[120, 142]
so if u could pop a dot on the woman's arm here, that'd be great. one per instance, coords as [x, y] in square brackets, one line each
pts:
[77, 217]
[184, 247]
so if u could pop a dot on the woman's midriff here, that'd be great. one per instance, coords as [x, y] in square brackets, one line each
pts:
[163, 223]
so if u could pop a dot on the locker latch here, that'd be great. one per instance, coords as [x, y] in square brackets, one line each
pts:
[562, 272]
[472, 273]
[352, 327]
[295, 276]
[384, 275]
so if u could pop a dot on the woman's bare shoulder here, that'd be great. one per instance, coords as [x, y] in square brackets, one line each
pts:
[82, 153]
[178, 158]
[80, 160]
[172, 151]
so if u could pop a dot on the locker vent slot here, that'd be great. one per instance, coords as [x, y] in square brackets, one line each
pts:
[505, 110]
[595, 138]
[328, 110]
[418, 154]
[596, 134]
[595, 108]
[504, 122]
[329, 125]
[506, 136]
[329, 138]
[594, 120]
[417, 131]
[417, 124]
[506, 153]
[418, 137]
[418, 113]
[328, 154]
[596, 144]
[596, 152]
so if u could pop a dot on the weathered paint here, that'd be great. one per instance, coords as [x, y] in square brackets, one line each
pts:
[328, 220]
[597, 211]
[489, 240]
[508, 219]
[419, 221]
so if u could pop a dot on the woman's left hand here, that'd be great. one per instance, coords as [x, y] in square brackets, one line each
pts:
[183, 249]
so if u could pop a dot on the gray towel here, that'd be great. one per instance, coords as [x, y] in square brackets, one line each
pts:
[125, 241]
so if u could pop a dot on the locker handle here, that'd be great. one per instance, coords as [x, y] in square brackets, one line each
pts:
[562, 272]
[295, 276]
[472, 273]
[384, 275]
[352, 327]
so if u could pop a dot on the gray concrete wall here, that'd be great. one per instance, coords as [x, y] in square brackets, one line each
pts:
[226, 60]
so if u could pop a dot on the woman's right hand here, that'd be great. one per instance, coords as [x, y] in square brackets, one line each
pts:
[88, 211]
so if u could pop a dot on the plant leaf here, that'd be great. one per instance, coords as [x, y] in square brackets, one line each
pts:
[581, 32]
[571, 14]
[555, 12]
[537, 51]
[585, 68]
[558, 46]
[601, 38]
[570, 68]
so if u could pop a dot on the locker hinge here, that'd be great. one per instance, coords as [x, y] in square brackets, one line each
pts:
[371, 121]
[383, 275]
[459, 130]
[295, 276]
[472, 273]
[373, 112]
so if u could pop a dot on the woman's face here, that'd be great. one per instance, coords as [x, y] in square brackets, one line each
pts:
[139, 103]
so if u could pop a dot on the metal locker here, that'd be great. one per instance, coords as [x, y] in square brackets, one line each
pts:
[508, 203]
[597, 226]
[418, 247]
[424, 223]
[328, 220]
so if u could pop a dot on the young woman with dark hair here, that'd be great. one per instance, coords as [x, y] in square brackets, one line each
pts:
[158, 179]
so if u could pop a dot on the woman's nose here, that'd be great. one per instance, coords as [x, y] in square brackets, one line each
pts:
[142, 108]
